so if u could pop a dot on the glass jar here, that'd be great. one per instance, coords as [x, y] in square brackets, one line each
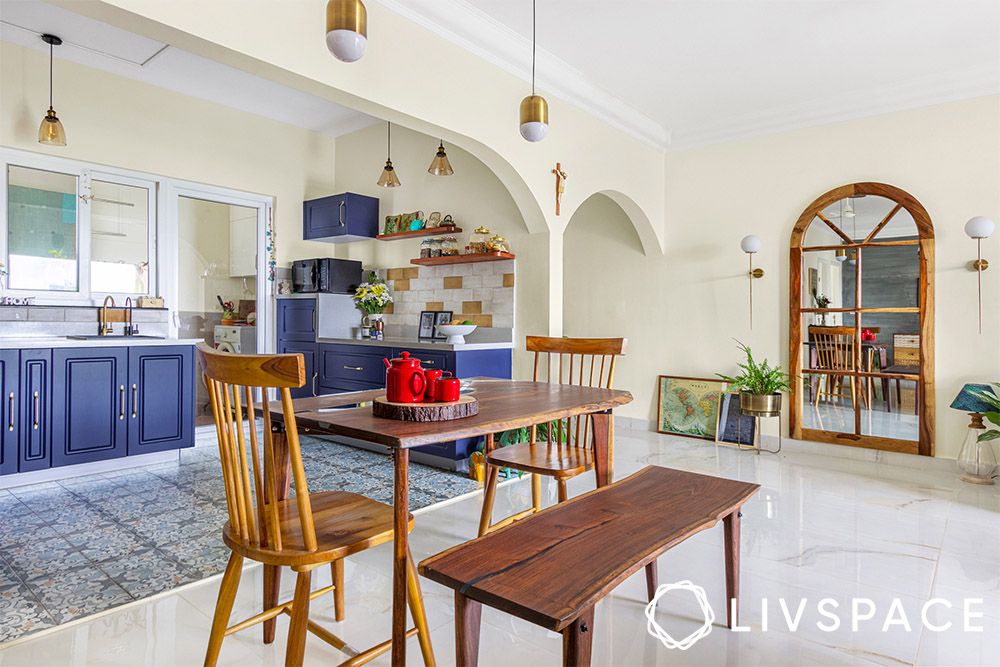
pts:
[479, 240]
[425, 249]
[449, 246]
[436, 247]
[497, 244]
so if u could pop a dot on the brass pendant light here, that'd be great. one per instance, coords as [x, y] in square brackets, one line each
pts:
[534, 109]
[440, 165]
[346, 29]
[388, 179]
[51, 132]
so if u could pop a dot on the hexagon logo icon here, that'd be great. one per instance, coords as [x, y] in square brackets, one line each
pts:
[654, 628]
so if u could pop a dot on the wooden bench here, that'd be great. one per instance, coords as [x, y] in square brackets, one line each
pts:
[553, 568]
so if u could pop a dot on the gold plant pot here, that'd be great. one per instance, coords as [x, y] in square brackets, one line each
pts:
[760, 405]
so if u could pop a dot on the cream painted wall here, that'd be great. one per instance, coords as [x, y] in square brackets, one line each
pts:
[690, 303]
[123, 123]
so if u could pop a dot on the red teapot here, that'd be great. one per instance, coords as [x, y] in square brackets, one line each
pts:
[404, 380]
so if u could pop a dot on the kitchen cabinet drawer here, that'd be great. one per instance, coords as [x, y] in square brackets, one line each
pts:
[297, 320]
[308, 352]
[9, 420]
[428, 359]
[160, 398]
[34, 434]
[347, 385]
[351, 363]
[340, 218]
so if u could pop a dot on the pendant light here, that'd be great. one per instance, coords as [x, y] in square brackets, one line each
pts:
[51, 132]
[534, 108]
[440, 165]
[841, 254]
[346, 29]
[388, 179]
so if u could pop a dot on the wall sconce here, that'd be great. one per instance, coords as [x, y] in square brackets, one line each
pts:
[750, 245]
[979, 228]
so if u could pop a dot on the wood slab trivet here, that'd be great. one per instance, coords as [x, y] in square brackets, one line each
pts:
[466, 406]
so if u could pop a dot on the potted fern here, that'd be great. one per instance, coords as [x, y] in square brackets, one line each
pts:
[760, 386]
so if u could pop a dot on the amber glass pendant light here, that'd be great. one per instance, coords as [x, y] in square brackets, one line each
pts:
[51, 132]
[388, 179]
[534, 109]
[440, 165]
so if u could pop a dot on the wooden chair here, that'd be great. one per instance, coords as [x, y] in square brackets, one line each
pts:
[835, 352]
[305, 532]
[566, 451]
[906, 361]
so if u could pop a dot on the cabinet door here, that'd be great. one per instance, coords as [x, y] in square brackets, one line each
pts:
[324, 217]
[160, 398]
[297, 320]
[308, 352]
[351, 365]
[35, 410]
[8, 411]
[88, 404]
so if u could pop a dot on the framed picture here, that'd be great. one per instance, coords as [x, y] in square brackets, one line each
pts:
[426, 329]
[442, 317]
[392, 225]
[735, 428]
[689, 406]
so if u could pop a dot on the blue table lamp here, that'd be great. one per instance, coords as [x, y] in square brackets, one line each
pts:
[976, 459]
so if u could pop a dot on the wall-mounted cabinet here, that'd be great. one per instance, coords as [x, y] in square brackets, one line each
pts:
[340, 218]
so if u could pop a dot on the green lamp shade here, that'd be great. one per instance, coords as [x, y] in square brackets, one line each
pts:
[968, 399]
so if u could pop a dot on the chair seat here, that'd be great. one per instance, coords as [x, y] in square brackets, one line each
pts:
[559, 461]
[346, 523]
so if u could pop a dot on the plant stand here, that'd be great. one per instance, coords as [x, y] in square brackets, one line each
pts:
[757, 437]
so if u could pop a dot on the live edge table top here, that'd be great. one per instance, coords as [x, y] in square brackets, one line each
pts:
[563, 560]
[503, 405]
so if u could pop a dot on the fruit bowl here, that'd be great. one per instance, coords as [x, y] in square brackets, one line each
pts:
[456, 333]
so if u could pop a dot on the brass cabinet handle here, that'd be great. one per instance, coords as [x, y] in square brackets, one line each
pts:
[315, 375]
[353, 368]
[10, 412]
[135, 399]
[34, 417]
[121, 401]
[427, 362]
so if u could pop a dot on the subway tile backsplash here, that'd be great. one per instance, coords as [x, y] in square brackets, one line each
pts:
[72, 320]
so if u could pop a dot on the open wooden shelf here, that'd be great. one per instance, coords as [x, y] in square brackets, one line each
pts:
[416, 233]
[462, 259]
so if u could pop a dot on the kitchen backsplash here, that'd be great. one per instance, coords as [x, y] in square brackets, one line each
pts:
[73, 321]
[482, 293]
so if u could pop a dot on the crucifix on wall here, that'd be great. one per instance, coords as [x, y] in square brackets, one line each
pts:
[560, 184]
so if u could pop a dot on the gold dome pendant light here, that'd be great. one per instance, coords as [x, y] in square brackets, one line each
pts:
[534, 109]
[51, 132]
[388, 179]
[346, 29]
[440, 165]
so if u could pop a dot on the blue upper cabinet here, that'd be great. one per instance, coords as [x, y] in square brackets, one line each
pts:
[34, 433]
[89, 404]
[160, 409]
[340, 218]
[9, 392]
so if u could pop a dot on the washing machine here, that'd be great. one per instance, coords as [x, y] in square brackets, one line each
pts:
[236, 339]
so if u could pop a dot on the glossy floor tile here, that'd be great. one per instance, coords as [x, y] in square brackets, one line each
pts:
[821, 527]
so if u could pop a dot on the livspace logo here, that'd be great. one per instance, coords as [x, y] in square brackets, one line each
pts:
[860, 613]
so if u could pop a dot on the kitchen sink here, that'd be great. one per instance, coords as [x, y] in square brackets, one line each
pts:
[113, 337]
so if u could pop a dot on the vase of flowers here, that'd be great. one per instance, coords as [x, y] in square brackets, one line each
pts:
[821, 302]
[372, 298]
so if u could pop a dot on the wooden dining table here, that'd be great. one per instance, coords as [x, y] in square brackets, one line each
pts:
[503, 405]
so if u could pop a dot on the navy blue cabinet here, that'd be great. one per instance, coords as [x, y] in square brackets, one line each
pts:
[160, 408]
[351, 367]
[340, 218]
[88, 404]
[297, 320]
[9, 418]
[35, 433]
[308, 352]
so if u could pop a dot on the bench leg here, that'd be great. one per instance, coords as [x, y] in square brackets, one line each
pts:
[577, 640]
[652, 580]
[731, 524]
[467, 615]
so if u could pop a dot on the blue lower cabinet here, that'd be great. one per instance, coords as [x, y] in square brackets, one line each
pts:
[430, 359]
[89, 403]
[9, 419]
[359, 366]
[34, 410]
[161, 397]
[308, 352]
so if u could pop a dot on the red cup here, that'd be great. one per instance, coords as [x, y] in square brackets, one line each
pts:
[431, 376]
[447, 390]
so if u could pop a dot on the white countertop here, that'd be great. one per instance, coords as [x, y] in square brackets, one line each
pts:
[35, 342]
[411, 344]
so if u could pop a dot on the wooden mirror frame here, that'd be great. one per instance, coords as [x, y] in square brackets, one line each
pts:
[924, 445]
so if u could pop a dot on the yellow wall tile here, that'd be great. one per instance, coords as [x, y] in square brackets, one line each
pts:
[472, 307]
[508, 280]
[453, 282]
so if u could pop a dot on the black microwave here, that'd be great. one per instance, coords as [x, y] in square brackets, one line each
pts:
[327, 275]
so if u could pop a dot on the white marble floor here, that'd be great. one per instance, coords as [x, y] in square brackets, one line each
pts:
[838, 415]
[821, 527]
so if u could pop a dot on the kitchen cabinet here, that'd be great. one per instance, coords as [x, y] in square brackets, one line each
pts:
[297, 320]
[9, 419]
[351, 366]
[242, 242]
[88, 404]
[34, 409]
[340, 218]
[308, 352]
[161, 397]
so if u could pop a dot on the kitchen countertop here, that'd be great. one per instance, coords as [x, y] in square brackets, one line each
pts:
[411, 344]
[21, 342]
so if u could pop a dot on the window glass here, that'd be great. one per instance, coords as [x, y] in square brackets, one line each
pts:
[119, 238]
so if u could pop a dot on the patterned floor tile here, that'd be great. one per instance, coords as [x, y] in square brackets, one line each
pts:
[147, 571]
[75, 593]
[45, 556]
[20, 611]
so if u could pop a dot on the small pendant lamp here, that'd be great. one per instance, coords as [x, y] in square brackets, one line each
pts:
[534, 108]
[388, 179]
[346, 29]
[51, 132]
[440, 165]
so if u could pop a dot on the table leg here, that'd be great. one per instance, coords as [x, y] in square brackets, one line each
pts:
[731, 524]
[282, 486]
[468, 613]
[603, 447]
[652, 580]
[400, 548]
[578, 640]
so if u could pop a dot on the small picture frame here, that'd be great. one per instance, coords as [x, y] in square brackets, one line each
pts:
[442, 317]
[735, 428]
[426, 329]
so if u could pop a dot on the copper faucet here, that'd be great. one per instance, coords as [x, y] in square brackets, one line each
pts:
[103, 325]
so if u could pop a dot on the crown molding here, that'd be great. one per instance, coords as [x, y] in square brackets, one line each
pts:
[494, 42]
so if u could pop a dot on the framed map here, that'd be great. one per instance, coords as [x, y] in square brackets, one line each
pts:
[689, 406]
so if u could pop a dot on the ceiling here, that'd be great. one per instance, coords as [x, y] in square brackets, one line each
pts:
[711, 70]
[133, 56]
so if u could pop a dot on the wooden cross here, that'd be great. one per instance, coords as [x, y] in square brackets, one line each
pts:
[560, 184]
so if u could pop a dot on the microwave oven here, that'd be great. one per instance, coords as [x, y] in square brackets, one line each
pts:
[327, 275]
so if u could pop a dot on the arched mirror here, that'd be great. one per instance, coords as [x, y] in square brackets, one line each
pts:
[861, 341]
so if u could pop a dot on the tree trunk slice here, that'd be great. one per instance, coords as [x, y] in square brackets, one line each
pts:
[466, 406]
